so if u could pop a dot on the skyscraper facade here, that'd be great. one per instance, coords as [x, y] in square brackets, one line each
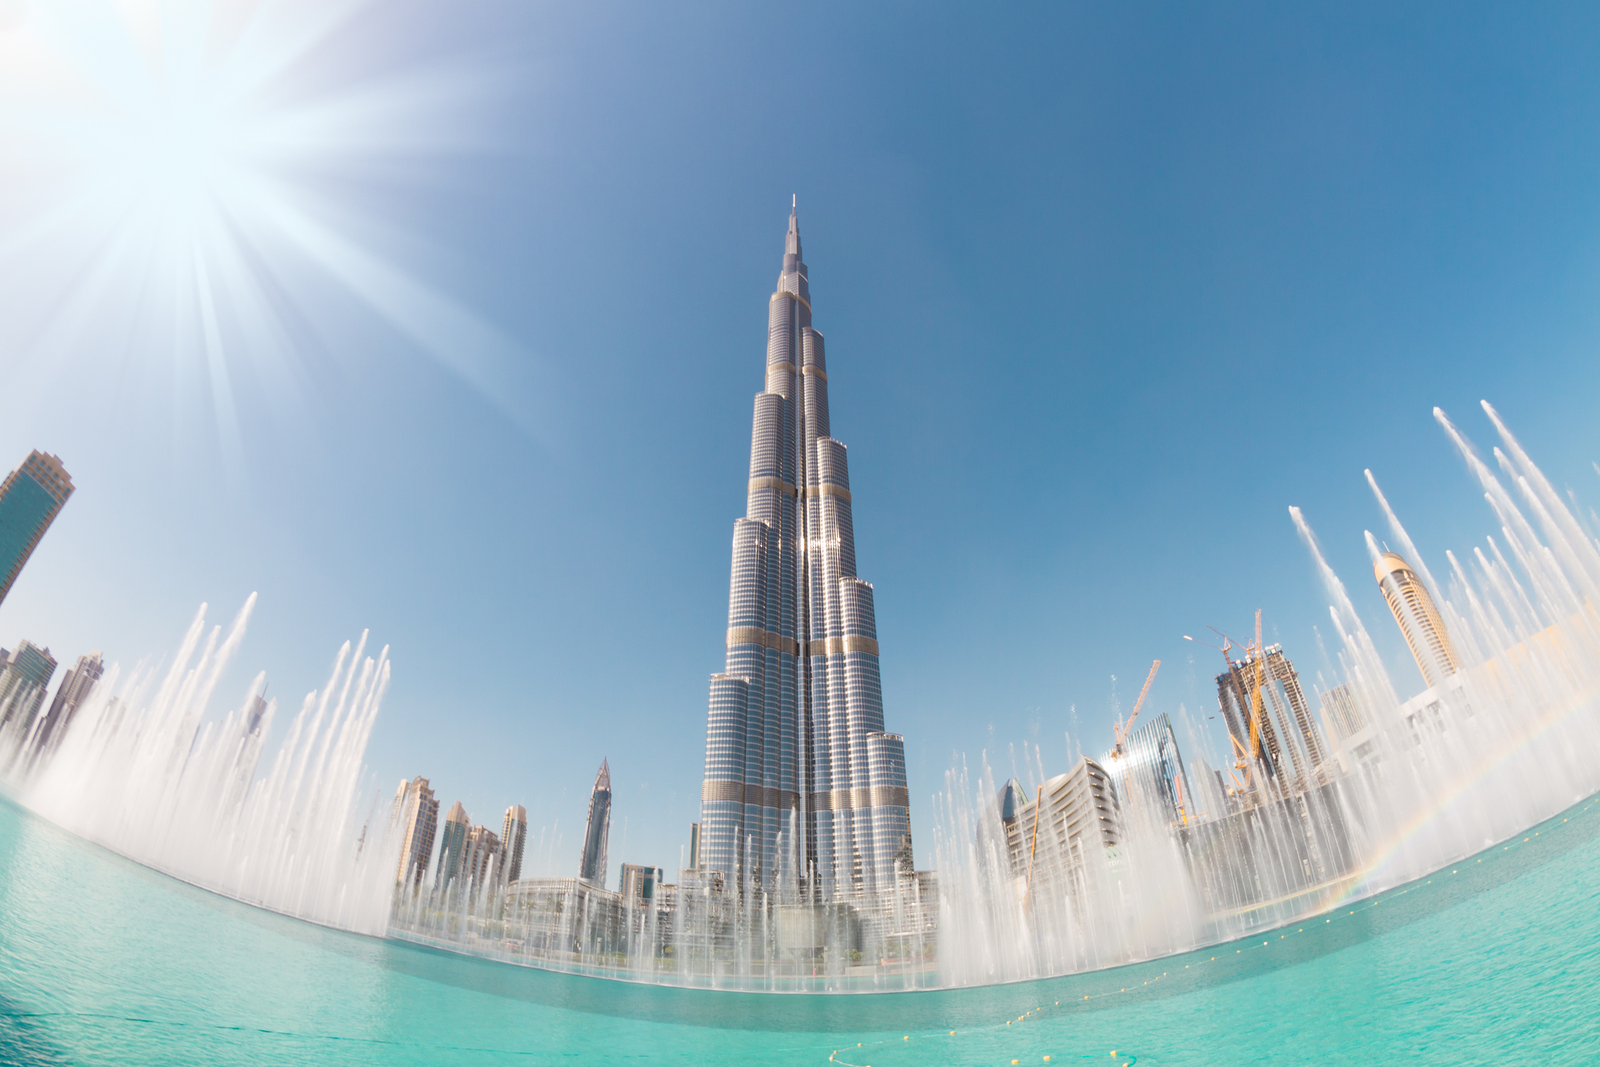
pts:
[416, 813]
[1050, 836]
[1287, 736]
[639, 884]
[513, 838]
[800, 774]
[452, 845]
[70, 695]
[1147, 770]
[1417, 617]
[24, 676]
[30, 499]
[1341, 710]
[597, 830]
[480, 856]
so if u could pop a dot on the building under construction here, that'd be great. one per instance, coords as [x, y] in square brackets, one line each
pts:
[1269, 718]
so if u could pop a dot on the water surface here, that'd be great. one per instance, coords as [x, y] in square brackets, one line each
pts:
[1496, 960]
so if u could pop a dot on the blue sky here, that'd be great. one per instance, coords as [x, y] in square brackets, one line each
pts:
[1106, 288]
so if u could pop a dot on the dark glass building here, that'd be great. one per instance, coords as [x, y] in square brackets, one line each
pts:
[24, 676]
[1147, 770]
[29, 501]
[803, 786]
[452, 845]
[592, 863]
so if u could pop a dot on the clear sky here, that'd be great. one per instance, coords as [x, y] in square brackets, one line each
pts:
[444, 321]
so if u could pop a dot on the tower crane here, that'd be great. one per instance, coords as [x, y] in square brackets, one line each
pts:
[1121, 729]
[1247, 755]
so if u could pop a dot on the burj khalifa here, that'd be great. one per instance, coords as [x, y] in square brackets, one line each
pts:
[804, 790]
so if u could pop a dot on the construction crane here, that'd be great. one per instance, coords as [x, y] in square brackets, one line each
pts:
[1224, 648]
[1121, 729]
[1246, 755]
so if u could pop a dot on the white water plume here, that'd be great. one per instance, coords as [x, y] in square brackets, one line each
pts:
[141, 771]
[1505, 741]
[1400, 786]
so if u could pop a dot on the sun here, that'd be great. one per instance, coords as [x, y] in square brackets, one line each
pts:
[166, 193]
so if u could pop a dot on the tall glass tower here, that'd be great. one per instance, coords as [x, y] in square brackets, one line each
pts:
[29, 501]
[803, 787]
[597, 830]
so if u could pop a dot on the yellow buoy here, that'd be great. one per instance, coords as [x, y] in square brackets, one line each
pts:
[907, 1037]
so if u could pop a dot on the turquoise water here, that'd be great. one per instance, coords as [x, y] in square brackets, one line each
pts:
[101, 961]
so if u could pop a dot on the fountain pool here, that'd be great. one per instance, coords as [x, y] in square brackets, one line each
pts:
[1494, 959]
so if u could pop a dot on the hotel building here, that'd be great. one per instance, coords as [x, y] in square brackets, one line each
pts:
[1418, 619]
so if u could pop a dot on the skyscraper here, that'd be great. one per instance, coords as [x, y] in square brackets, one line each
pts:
[29, 501]
[452, 845]
[1287, 735]
[481, 852]
[1049, 837]
[24, 676]
[799, 771]
[1341, 710]
[1418, 619]
[75, 687]
[253, 717]
[416, 812]
[639, 884]
[1147, 770]
[592, 863]
[513, 837]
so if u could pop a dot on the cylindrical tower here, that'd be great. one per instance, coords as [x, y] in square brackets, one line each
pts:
[1417, 617]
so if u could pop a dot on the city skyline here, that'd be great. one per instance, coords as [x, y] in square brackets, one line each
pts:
[442, 618]
[1126, 316]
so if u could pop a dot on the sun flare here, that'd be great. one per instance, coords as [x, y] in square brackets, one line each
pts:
[185, 178]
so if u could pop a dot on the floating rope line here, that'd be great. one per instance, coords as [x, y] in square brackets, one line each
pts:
[1117, 1056]
[1122, 1059]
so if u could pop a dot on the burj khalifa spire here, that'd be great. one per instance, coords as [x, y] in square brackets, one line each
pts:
[803, 786]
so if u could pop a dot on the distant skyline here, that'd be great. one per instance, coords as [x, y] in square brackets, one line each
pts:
[471, 356]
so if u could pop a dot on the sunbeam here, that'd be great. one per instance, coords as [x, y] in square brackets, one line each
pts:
[179, 211]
